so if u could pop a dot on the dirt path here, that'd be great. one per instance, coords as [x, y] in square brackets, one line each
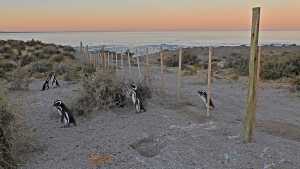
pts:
[166, 136]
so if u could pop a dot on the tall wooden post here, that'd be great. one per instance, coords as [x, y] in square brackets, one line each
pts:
[95, 60]
[209, 81]
[138, 63]
[108, 60]
[122, 61]
[87, 54]
[259, 64]
[104, 60]
[250, 118]
[129, 62]
[147, 67]
[81, 50]
[116, 62]
[162, 78]
[100, 59]
[179, 76]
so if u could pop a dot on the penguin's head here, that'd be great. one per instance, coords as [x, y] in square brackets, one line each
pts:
[57, 103]
[202, 93]
[133, 86]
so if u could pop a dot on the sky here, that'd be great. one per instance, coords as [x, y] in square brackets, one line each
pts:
[145, 15]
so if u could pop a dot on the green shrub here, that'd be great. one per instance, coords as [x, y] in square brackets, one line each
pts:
[73, 73]
[239, 63]
[41, 67]
[27, 59]
[88, 69]
[278, 66]
[7, 65]
[187, 59]
[57, 58]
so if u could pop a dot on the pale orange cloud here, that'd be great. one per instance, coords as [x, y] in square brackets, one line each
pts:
[152, 16]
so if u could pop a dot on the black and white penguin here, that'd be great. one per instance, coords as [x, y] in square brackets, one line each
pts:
[66, 115]
[46, 85]
[203, 96]
[136, 98]
[54, 81]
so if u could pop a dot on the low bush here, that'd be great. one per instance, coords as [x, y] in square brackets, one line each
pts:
[41, 67]
[187, 59]
[239, 63]
[19, 80]
[57, 58]
[88, 69]
[103, 91]
[73, 73]
[295, 83]
[278, 66]
[7, 159]
[7, 66]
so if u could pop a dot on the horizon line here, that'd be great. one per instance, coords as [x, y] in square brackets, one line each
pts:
[171, 30]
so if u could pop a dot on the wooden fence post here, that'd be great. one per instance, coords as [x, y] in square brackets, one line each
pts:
[129, 62]
[116, 62]
[108, 60]
[95, 60]
[179, 76]
[258, 64]
[138, 63]
[162, 78]
[122, 61]
[147, 67]
[209, 81]
[250, 117]
[81, 50]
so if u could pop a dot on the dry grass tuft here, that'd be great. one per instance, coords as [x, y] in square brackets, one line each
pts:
[6, 124]
[98, 160]
[105, 90]
[15, 138]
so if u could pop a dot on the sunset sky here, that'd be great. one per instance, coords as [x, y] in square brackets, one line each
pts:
[145, 15]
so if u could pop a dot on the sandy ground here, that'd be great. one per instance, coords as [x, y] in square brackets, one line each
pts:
[168, 135]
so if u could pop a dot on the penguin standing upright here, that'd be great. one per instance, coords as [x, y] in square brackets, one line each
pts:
[136, 98]
[203, 96]
[46, 85]
[54, 81]
[50, 79]
[66, 115]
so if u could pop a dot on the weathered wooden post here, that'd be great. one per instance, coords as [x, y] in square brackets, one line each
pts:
[116, 62]
[108, 60]
[162, 78]
[259, 64]
[209, 81]
[105, 60]
[93, 60]
[250, 118]
[122, 61]
[87, 54]
[102, 62]
[138, 63]
[81, 50]
[147, 67]
[129, 62]
[179, 76]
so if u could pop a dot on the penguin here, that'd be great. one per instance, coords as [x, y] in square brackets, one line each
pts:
[66, 115]
[203, 96]
[46, 85]
[136, 99]
[54, 81]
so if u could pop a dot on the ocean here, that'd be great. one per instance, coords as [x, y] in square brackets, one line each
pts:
[172, 39]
